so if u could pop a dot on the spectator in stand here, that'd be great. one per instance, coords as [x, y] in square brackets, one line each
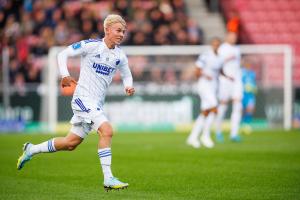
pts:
[156, 18]
[122, 7]
[178, 6]
[19, 83]
[195, 34]
[12, 27]
[61, 33]
[170, 76]
[30, 28]
[233, 24]
[156, 75]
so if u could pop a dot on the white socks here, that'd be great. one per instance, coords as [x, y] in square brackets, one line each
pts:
[235, 118]
[105, 160]
[44, 147]
[207, 125]
[222, 108]
[197, 128]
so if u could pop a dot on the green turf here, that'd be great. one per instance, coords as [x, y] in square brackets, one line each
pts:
[157, 166]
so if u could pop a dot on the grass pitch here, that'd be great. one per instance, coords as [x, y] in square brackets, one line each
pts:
[157, 166]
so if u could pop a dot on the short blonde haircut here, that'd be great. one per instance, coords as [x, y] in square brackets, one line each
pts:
[112, 19]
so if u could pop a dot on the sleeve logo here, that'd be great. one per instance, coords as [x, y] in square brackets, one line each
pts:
[76, 45]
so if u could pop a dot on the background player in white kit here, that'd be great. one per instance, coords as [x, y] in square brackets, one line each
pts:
[230, 90]
[208, 68]
[99, 61]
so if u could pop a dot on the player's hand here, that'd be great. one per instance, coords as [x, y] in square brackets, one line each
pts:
[129, 91]
[67, 81]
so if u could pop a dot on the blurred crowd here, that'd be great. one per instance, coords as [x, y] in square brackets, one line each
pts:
[30, 27]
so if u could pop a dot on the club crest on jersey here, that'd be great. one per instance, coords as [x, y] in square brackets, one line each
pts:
[76, 45]
[117, 61]
[103, 69]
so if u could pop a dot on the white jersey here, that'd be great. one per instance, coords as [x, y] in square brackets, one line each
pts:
[97, 68]
[229, 89]
[211, 65]
[232, 57]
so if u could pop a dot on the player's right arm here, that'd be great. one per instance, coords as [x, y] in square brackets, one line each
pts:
[226, 76]
[76, 49]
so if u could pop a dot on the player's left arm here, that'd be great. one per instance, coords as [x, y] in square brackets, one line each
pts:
[62, 57]
[126, 77]
[222, 73]
[76, 49]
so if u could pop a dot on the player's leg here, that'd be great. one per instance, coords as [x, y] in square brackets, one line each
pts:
[68, 142]
[193, 139]
[104, 149]
[224, 96]
[222, 108]
[210, 112]
[244, 105]
[235, 120]
[205, 138]
[237, 110]
[249, 107]
[249, 110]
[105, 132]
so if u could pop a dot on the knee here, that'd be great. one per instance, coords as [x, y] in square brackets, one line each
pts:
[237, 106]
[71, 145]
[106, 131]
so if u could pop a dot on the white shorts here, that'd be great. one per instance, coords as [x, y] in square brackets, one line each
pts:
[86, 119]
[229, 90]
[208, 94]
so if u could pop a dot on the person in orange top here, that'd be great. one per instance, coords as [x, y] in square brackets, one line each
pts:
[233, 24]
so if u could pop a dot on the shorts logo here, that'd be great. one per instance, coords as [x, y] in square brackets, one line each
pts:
[76, 45]
[81, 105]
[103, 69]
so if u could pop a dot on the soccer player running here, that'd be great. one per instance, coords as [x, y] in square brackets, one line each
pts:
[250, 90]
[208, 68]
[230, 90]
[99, 61]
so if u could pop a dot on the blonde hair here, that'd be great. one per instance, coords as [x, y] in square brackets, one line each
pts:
[112, 19]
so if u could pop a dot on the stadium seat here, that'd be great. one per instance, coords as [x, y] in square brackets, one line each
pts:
[293, 27]
[288, 15]
[274, 16]
[269, 22]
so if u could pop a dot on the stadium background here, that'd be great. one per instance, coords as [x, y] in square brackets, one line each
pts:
[29, 29]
